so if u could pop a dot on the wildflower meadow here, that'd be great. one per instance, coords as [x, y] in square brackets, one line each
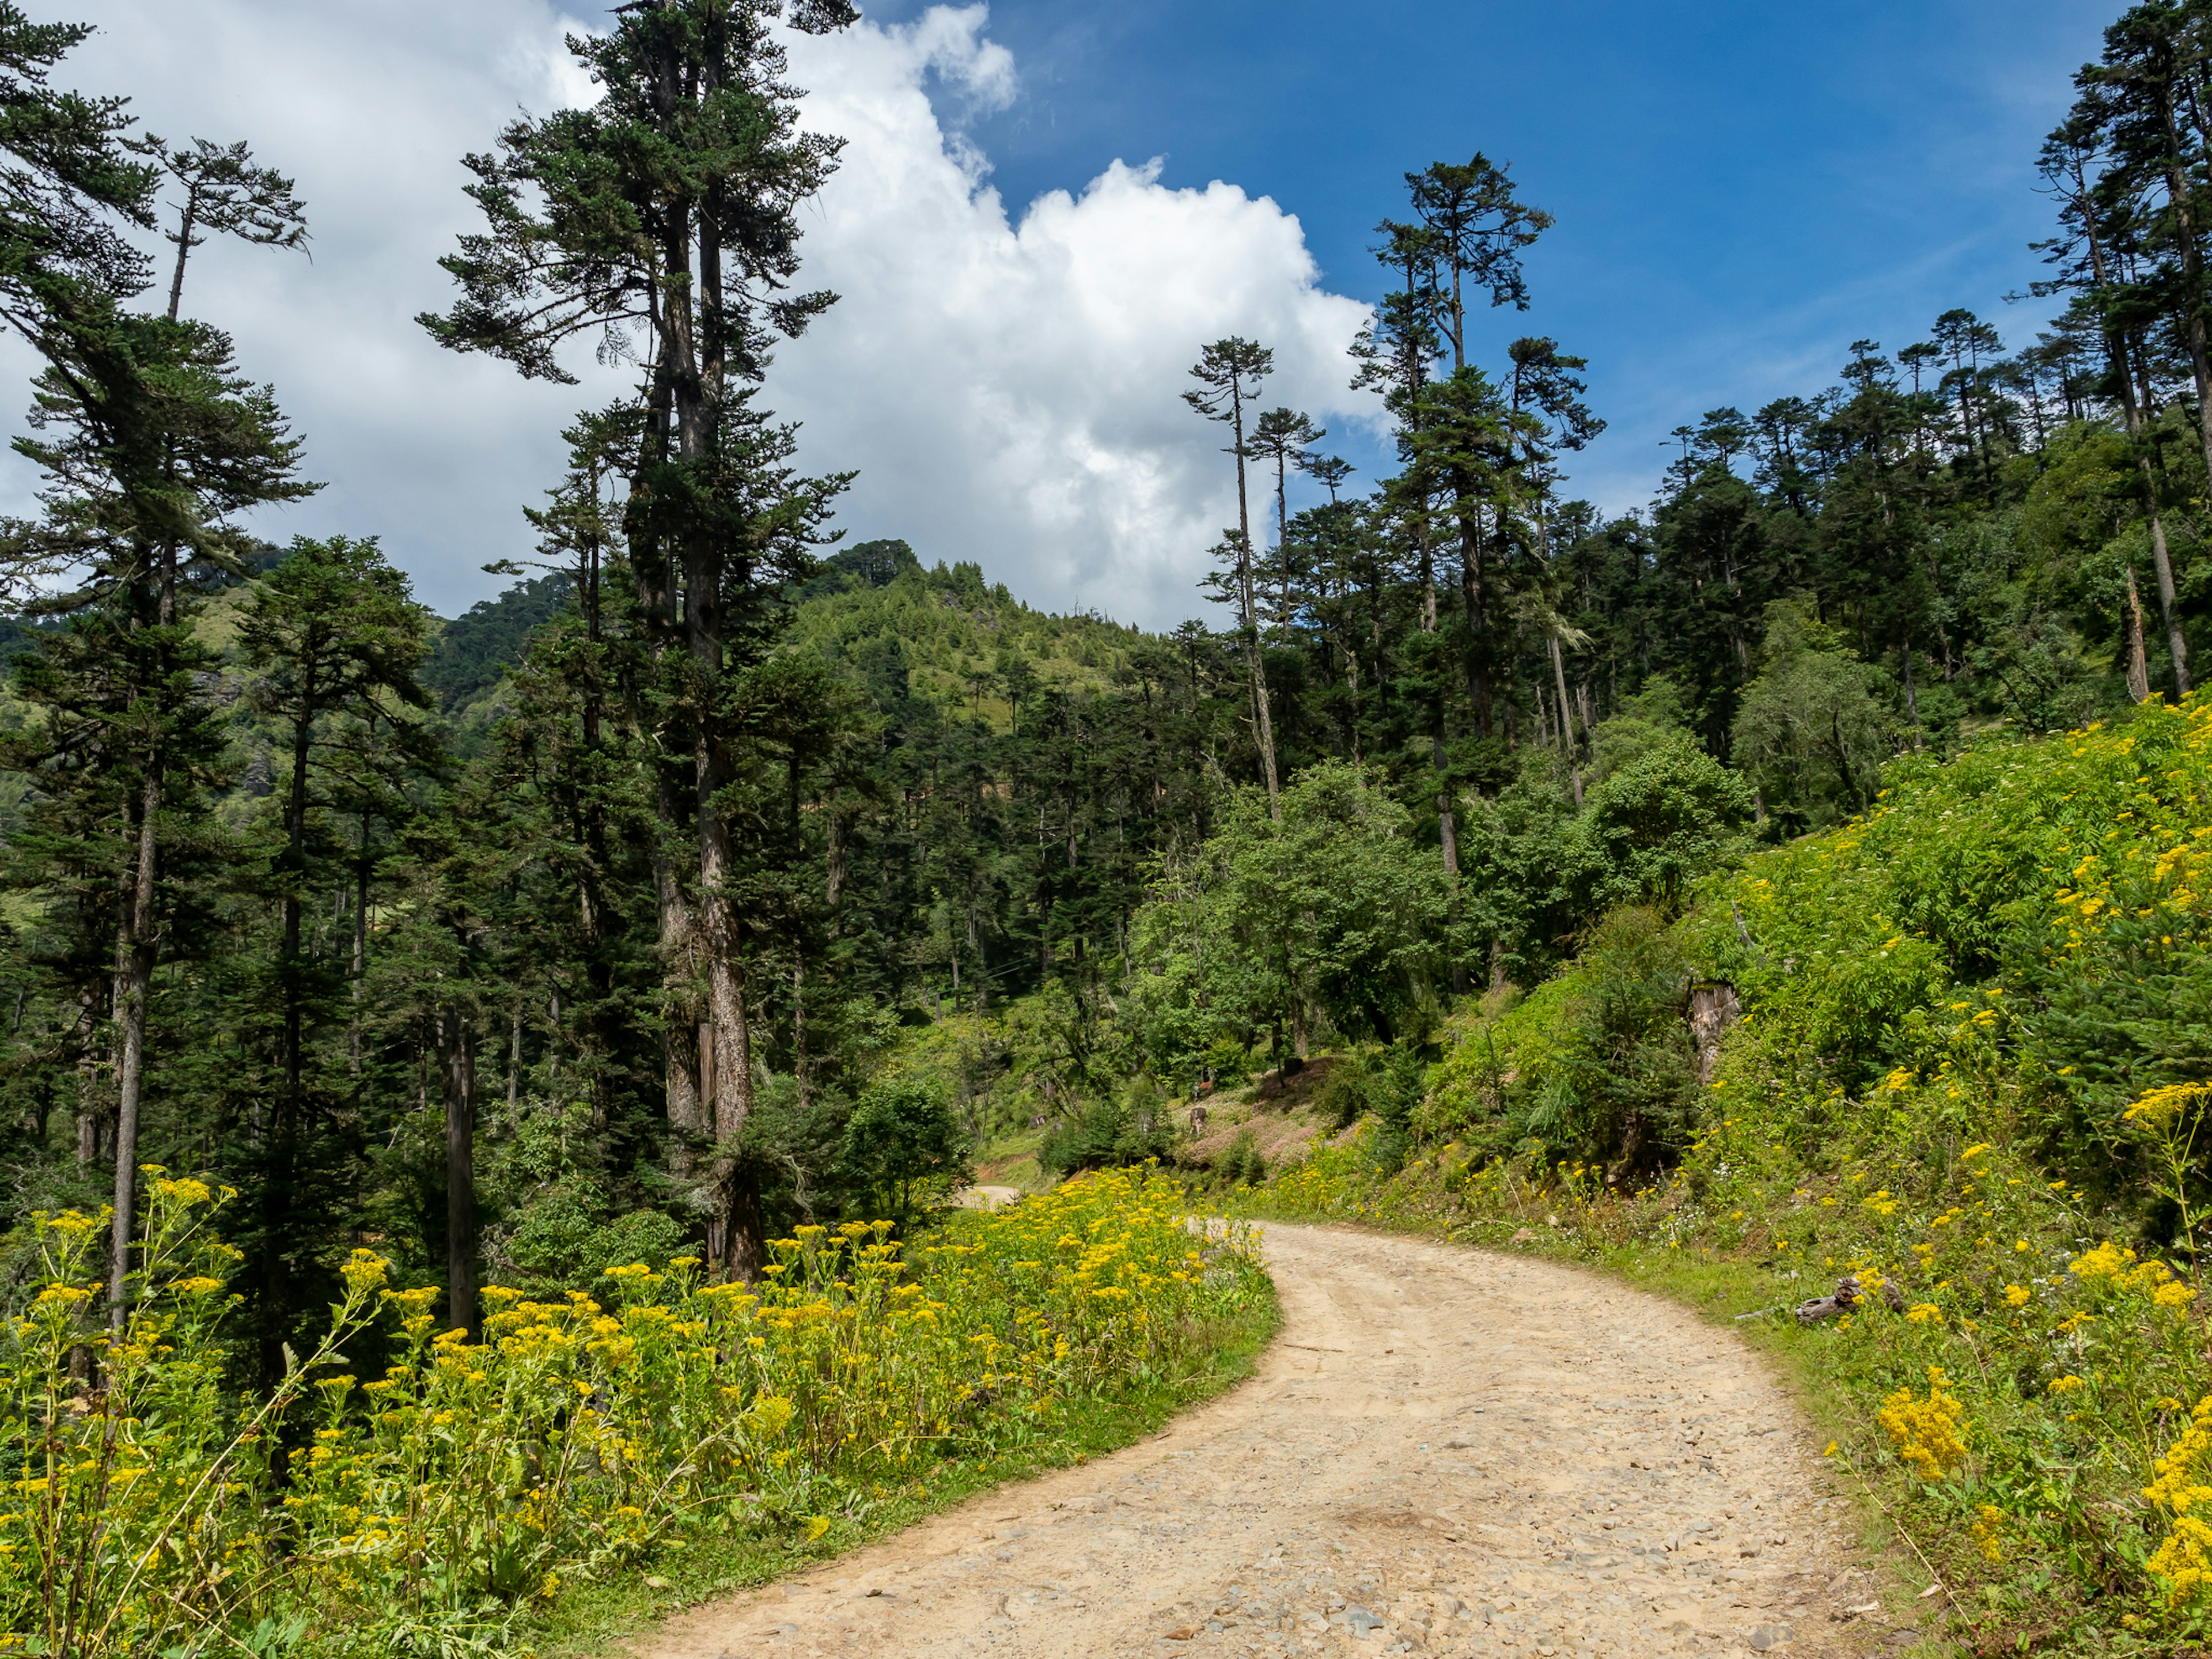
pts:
[408, 1489]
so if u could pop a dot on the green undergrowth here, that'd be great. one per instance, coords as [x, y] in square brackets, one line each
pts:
[700, 1563]
[1973, 1060]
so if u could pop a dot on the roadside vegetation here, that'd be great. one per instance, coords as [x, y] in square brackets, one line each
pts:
[1964, 1078]
[407, 1489]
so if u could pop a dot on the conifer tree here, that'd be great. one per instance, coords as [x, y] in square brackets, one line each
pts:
[330, 640]
[1229, 372]
[226, 193]
[662, 221]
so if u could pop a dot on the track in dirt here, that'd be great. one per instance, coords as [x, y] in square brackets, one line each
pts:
[1447, 1451]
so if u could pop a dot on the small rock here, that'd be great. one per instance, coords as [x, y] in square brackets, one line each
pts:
[1769, 1637]
[1360, 1622]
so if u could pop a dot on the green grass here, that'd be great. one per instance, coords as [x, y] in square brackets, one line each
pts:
[711, 1558]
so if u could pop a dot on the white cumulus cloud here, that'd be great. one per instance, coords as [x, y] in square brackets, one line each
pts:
[1006, 384]
[1009, 385]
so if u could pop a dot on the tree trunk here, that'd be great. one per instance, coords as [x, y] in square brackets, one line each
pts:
[1566, 723]
[360, 949]
[2118, 350]
[1474, 606]
[135, 975]
[1912, 698]
[90, 1103]
[687, 1119]
[460, 1059]
[1263, 724]
[134, 984]
[2138, 663]
[290, 906]
[2192, 285]
[187, 220]
[2162, 563]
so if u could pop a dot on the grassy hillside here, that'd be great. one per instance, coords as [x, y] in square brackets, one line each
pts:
[954, 639]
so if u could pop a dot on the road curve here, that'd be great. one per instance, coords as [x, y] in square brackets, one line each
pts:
[1447, 1451]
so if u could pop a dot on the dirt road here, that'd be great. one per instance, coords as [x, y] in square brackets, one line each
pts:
[1447, 1452]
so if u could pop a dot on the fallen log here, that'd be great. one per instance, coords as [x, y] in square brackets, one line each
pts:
[1846, 1295]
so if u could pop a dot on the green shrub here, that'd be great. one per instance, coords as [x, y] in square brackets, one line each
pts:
[904, 1146]
[1241, 1163]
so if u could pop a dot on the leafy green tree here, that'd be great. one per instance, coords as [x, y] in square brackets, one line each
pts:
[1653, 827]
[1331, 907]
[902, 1142]
[1810, 733]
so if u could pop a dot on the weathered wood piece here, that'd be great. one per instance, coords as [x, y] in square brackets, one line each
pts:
[1846, 1295]
[1713, 1009]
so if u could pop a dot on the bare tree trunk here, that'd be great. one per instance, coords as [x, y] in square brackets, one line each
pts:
[2162, 568]
[1566, 723]
[1263, 724]
[2138, 663]
[134, 983]
[133, 986]
[359, 950]
[460, 1057]
[1912, 698]
[687, 1118]
[88, 1079]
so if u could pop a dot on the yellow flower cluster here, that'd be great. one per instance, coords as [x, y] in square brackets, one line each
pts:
[570, 1431]
[1930, 1433]
[1989, 1532]
[2183, 1557]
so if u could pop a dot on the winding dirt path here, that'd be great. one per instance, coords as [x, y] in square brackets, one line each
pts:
[1447, 1452]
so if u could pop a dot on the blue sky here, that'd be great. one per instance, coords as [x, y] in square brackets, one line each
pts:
[1741, 190]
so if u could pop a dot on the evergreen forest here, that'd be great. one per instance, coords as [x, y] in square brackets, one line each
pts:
[727, 884]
